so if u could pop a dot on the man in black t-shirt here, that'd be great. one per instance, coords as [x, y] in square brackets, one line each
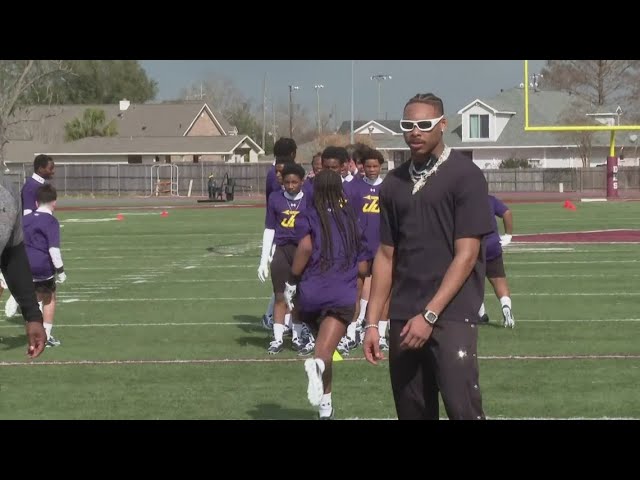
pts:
[433, 216]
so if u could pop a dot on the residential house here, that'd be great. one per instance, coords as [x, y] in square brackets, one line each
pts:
[173, 132]
[492, 130]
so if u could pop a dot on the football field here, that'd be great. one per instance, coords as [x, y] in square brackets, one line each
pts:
[160, 319]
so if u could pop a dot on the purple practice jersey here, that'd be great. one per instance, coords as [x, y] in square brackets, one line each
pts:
[29, 191]
[41, 232]
[307, 188]
[336, 286]
[272, 184]
[494, 249]
[364, 196]
[282, 215]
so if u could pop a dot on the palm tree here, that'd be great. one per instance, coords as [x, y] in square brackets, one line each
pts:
[92, 124]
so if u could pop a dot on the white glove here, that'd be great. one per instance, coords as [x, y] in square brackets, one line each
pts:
[505, 240]
[61, 277]
[273, 251]
[263, 272]
[289, 293]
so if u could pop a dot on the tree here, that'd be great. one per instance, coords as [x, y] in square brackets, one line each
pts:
[576, 114]
[92, 124]
[218, 91]
[19, 79]
[599, 82]
[222, 95]
[100, 82]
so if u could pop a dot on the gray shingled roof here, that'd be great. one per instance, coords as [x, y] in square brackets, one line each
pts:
[46, 123]
[545, 108]
[393, 125]
[149, 146]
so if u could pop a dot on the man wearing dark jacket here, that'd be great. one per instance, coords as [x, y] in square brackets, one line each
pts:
[15, 267]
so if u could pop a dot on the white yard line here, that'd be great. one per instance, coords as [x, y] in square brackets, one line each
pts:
[208, 361]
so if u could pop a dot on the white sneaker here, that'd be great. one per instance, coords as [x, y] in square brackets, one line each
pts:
[315, 388]
[11, 307]
[508, 322]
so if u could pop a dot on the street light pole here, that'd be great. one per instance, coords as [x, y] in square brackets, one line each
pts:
[352, 91]
[291, 89]
[318, 87]
[381, 77]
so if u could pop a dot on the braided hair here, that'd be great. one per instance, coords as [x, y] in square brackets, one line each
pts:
[330, 201]
[428, 99]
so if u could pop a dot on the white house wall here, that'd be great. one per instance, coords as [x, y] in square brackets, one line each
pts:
[501, 120]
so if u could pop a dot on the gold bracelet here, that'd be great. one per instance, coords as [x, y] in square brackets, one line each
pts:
[371, 325]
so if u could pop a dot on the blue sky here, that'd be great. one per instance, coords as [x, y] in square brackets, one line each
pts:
[457, 82]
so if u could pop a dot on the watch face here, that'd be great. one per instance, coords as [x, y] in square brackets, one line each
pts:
[431, 317]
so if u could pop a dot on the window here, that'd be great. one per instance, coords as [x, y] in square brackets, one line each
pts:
[478, 126]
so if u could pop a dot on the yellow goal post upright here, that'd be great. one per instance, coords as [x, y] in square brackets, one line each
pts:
[612, 159]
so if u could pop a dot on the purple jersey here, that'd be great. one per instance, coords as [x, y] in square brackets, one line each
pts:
[494, 249]
[365, 201]
[282, 215]
[307, 188]
[29, 192]
[41, 232]
[336, 286]
[272, 184]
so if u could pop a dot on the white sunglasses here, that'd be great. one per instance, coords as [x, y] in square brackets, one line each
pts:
[423, 125]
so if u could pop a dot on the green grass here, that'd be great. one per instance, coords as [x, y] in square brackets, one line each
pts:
[185, 288]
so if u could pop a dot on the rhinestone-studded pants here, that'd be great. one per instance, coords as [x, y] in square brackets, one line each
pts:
[446, 364]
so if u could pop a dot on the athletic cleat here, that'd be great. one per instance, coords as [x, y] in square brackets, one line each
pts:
[384, 346]
[267, 322]
[307, 349]
[53, 342]
[508, 322]
[11, 307]
[297, 343]
[343, 346]
[326, 417]
[484, 318]
[315, 389]
[275, 347]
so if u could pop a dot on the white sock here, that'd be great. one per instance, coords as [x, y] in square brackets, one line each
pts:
[325, 404]
[47, 328]
[272, 302]
[482, 311]
[505, 302]
[382, 328]
[351, 330]
[363, 309]
[287, 320]
[297, 330]
[278, 331]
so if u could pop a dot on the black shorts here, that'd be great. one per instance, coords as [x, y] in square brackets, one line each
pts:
[45, 287]
[495, 268]
[314, 319]
[281, 266]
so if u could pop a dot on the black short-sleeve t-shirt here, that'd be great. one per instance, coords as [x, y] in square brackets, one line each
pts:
[423, 229]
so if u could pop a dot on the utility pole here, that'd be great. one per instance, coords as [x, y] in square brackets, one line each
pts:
[352, 93]
[380, 78]
[264, 111]
[318, 87]
[291, 89]
[274, 126]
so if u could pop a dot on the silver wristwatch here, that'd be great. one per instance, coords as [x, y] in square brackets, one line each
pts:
[430, 317]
